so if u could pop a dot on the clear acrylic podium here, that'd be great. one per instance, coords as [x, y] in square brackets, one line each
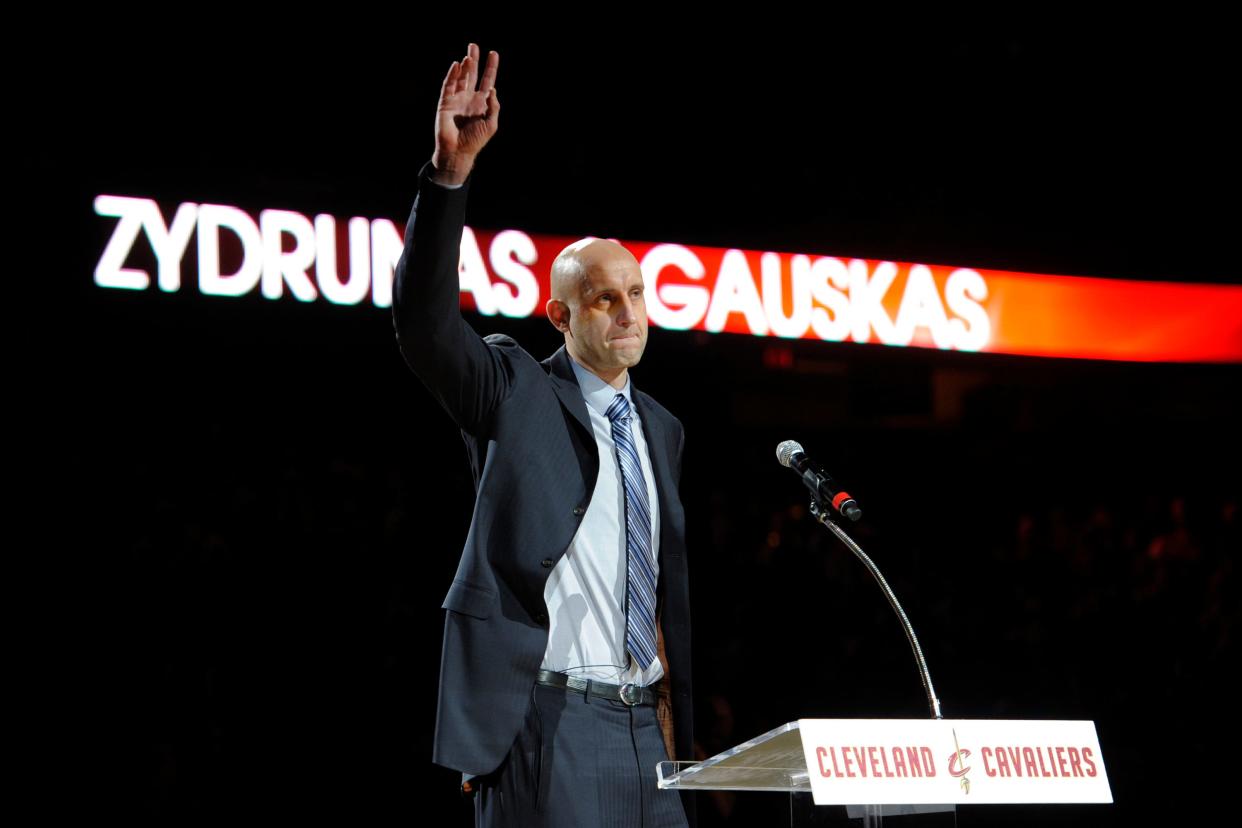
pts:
[774, 762]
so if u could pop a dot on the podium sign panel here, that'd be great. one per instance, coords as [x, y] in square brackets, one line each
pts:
[952, 761]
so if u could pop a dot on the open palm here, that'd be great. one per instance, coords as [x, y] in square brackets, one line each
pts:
[466, 118]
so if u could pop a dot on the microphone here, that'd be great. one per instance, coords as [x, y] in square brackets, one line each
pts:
[791, 456]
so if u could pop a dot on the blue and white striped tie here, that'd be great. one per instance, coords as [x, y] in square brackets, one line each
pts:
[640, 626]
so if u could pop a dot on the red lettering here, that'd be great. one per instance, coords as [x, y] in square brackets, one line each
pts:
[1061, 762]
[849, 766]
[1086, 757]
[820, 753]
[1015, 758]
[875, 762]
[832, 752]
[860, 758]
[899, 762]
[1075, 761]
[1043, 771]
[929, 764]
[1002, 763]
[884, 759]
[1029, 756]
[912, 756]
[987, 761]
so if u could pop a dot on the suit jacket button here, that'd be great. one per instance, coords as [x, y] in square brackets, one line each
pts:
[578, 510]
[547, 563]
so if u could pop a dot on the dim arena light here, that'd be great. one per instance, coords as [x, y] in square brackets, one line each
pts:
[770, 294]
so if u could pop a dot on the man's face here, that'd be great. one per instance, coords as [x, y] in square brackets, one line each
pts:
[608, 323]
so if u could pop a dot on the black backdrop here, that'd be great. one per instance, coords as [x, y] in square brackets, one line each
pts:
[282, 502]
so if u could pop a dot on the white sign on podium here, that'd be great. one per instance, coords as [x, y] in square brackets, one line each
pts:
[952, 761]
[904, 761]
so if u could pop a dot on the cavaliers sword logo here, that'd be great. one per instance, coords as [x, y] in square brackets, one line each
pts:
[957, 764]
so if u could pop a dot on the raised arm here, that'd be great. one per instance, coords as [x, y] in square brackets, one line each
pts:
[469, 377]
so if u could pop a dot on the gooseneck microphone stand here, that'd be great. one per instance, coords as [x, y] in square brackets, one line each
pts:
[825, 498]
[822, 514]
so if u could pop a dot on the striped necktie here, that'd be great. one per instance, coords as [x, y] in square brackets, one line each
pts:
[640, 627]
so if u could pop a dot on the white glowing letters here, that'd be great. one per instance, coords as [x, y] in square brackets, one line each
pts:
[829, 299]
[285, 253]
[279, 253]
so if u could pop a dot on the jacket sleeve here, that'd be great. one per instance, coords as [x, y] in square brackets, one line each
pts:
[467, 375]
[681, 447]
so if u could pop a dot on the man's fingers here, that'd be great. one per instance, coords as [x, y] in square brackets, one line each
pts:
[463, 75]
[472, 66]
[491, 109]
[460, 81]
[489, 71]
[450, 83]
[493, 106]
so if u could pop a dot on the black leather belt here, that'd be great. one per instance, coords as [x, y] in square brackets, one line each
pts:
[629, 694]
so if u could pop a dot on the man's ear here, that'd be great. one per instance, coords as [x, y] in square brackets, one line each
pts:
[558, 314]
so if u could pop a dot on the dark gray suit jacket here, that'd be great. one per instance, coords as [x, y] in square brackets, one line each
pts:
[535, 461]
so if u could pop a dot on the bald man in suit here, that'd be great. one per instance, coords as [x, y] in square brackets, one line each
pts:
[565, 668]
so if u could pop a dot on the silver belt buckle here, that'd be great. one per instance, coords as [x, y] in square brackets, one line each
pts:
[631, 694]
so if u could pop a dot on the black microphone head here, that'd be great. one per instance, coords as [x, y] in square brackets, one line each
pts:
[786, 450]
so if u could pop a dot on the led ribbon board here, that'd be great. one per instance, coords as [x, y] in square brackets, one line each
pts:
[221, 250]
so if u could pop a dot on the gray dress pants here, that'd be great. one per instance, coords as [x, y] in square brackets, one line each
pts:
[580, 762]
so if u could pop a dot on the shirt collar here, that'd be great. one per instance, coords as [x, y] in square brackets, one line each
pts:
[597, 393]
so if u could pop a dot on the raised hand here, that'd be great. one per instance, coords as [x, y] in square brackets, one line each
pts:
[466, 118]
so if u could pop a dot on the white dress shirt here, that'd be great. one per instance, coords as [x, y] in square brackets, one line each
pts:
[585, 592]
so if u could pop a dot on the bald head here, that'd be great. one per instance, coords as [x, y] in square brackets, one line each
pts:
[597, 302]
[572, 267]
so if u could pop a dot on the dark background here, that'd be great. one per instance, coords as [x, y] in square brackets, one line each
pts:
[281, 504]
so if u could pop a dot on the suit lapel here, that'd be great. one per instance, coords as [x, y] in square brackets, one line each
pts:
[656, 432]
[565, 384]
